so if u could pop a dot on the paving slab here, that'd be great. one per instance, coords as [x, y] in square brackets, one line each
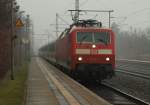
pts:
[38, 90]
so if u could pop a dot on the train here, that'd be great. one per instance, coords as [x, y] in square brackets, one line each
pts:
[85, 49]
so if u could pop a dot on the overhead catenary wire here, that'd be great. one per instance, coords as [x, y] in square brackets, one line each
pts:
[137, 12]
[83, 3]
[102, 4]
[144, 22]
[63, 19]
[132, 14]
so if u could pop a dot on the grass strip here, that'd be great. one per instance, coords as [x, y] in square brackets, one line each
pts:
[12, 91]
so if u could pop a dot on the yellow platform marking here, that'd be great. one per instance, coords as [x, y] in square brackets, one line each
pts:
[70, 99]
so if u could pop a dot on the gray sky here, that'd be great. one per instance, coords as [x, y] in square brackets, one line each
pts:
[43, 11]
[127, 13]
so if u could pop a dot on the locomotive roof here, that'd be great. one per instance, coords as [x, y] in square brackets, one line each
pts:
[87, 25]
[88, 28]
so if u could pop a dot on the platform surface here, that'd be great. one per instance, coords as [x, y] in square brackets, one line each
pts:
[46, 85]
[38, 92]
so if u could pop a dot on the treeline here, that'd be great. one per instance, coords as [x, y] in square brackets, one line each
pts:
[14, 41]
[132, 44]
[5, 26]
[5, 13]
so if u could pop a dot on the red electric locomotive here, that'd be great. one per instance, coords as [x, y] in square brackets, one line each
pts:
[86, 50]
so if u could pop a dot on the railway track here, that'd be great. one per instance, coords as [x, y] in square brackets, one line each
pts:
[114, 95]
[133, 73]
[132, 100]
[134, 64]
[71, 91]
[134, 67]
[145, 65]
[109, 93]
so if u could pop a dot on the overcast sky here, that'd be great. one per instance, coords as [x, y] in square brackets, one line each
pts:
[126, 12]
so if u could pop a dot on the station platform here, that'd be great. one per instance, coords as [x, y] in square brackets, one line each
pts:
[46, 85]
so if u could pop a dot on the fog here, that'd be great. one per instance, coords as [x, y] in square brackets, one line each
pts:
[127, 14]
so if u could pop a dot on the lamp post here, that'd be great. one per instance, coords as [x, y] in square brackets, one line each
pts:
[11, 43]
[21, 34]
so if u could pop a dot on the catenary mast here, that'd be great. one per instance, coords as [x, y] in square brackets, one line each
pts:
[76, 17]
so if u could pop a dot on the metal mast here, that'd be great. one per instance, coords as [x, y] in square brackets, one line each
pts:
[57, 25]
[12, 44]
[76, 17]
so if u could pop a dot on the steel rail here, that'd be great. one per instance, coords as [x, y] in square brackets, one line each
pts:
[128, 66]
[133, 61]
[137, 74]
[130, 97]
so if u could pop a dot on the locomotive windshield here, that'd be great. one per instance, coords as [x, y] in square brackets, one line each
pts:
[84, 37]
[101, 37]
[93, 37]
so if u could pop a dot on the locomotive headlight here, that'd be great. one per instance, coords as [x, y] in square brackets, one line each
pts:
[107, 59]
[80, 58]
[93, 46]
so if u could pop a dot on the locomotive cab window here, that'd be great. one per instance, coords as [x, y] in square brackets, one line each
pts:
[93, 37]
[85, 37]
[102, 37]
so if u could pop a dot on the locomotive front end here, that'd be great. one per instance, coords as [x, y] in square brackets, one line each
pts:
[94, 53]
